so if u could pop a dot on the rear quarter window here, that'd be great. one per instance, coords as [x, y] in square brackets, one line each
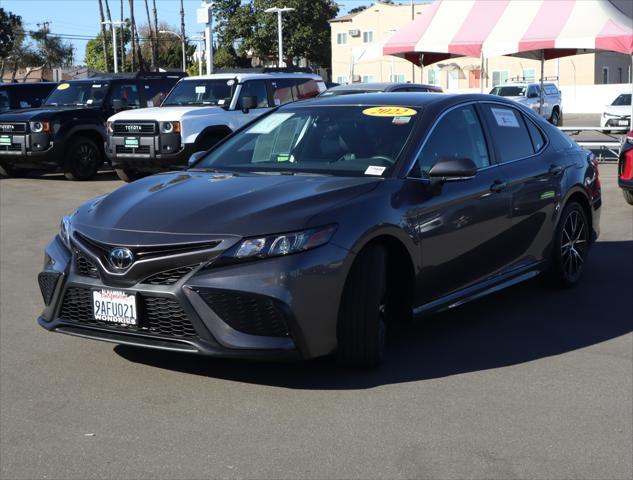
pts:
[508, 131]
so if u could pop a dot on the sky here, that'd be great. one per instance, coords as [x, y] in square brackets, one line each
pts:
[77, 19]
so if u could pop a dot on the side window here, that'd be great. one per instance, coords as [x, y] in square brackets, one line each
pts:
[550, 89]
[127, 93]
[307, 88]
[284, 91]
[254, 88]
[535, 134]
[156, 91]
[5, 104]
[457, 135]
[509, 132]
[532, 91]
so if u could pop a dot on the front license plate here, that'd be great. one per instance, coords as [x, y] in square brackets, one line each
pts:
[131, 142]
[623, 122]
[5, 140]
[114, 306]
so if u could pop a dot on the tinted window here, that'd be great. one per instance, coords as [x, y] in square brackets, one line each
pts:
[254, 88]
[510, 91]
[5, 104]
[127, 93]
[535, 134]
[457, 135]
[533, 91]
[508, 132]
[156, 91]
[623, 99]
[79, 93]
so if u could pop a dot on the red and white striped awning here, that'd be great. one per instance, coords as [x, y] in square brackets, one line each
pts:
[555, 28]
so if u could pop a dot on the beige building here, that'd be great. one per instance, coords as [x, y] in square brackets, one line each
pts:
[357, 38]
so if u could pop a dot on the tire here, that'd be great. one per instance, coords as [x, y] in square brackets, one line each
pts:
[361, 324]
[6, 171]
[128, 175]
[83, 159]
[570, 247]
[555, 118]
[628, 196]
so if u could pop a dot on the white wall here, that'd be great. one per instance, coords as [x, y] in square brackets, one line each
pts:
[580, 98]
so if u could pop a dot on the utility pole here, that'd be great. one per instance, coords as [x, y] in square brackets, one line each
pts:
[182, 35]
[413, 64]
[280, 40]
[205, 16]
[114, 47]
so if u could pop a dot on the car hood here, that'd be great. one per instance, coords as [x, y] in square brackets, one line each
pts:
[187, 206]
[624, 110]
[41, 113]
[167, 114]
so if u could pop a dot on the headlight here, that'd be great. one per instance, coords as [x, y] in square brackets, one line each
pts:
[280, 245]
[110, 127]
[65, 229]
[169, 127]
[39, 127]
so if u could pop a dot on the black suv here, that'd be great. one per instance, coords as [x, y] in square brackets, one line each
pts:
[17, 96]
[68, 131]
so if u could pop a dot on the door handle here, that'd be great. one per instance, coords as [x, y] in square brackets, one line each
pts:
[498, 186]
[555, 170]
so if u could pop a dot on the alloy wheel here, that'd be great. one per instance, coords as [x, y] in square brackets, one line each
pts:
[573, 247]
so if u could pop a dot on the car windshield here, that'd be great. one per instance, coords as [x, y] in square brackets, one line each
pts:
[509, 91]
[78, 93]
[329, 140]
[624, 99]
[200, 92]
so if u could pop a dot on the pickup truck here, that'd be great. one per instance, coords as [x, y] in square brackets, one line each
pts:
[529, 95]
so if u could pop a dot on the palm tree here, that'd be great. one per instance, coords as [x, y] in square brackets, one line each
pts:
[104, 44]
[152, 39]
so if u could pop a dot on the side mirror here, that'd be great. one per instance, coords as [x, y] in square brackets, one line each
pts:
[248, 103]
[448, 169]
[195, 157]
[119, 105]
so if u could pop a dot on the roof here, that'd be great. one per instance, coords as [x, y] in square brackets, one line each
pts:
[345, 18]
[20, 84]
[131, 75]
[378, 86]
[398, 99]
[251, 76]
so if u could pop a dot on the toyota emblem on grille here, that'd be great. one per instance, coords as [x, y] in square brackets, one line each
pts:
[6, 127]
[133, 128]
[121, 258]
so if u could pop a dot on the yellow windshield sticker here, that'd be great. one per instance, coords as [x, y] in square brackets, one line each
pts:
[63, 86]
[389, 112]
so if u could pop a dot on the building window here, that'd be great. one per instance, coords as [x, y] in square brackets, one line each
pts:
[398, 78]
[341, 79]
[341, 38]
[434, 76]
[368, 78]
[529, 74]
[499, 77]
[605, 75]
[368, 37]
[474, 78]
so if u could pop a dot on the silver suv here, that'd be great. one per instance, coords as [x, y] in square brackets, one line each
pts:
[529, 95]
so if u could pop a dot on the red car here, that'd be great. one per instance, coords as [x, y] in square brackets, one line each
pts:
[625, 167]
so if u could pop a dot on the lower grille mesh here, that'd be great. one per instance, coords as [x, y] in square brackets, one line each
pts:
[48, 282]
[85, 266]
[157, 315]
[252, 314]
[169, 277]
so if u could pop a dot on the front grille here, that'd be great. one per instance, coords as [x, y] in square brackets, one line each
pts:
[134, 128]
[140, 150]
[85, 266]
[248, 313]
[157, 315]
[12, 127]
[169, 277]
[48, 282]
[14, 147]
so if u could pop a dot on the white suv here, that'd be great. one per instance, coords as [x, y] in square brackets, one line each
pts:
[529, 95]
[197, 113]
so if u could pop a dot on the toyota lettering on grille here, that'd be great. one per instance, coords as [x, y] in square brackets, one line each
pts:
[6, 127]
[133, 128]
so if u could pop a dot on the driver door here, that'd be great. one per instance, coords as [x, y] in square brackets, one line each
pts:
[462, 225]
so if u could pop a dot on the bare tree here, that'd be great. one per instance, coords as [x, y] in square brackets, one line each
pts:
[132, 31]
[104, 43]
[155, 22]
[182, 33]
[121, 42]
[152, 38]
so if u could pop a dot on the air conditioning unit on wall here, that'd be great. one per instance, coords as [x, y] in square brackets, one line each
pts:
[354, 33]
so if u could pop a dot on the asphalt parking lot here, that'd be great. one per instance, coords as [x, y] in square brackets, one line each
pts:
[530, 383]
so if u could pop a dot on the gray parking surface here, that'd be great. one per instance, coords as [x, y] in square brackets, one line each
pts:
[529, 383]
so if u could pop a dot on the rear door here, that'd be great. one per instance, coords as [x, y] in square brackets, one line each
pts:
[533, 179]
[463, 226]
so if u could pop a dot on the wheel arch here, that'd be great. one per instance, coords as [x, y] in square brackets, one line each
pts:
[93, 135]
[207, 132]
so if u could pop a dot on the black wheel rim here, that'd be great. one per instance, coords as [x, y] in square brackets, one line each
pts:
[85, 159]
[573, 244]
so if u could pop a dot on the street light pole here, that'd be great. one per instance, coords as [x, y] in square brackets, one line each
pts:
[182, 40]
[205, 17]
[114, 25]
[280, 39]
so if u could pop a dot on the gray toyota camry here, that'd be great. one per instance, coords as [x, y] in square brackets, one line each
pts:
[311, 230]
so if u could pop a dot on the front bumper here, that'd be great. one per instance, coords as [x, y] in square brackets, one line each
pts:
[615, 122]
[195, 313]
[32, 150]
[154, 153]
